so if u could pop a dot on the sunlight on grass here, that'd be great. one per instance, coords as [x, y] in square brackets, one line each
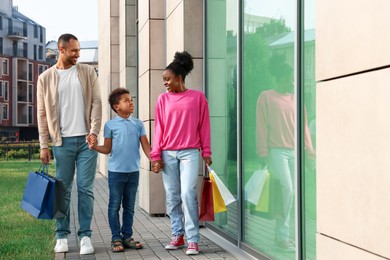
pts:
[22, 236]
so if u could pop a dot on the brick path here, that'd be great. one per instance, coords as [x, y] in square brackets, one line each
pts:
[153, 232]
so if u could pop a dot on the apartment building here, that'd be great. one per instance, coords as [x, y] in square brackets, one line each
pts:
[22, 59]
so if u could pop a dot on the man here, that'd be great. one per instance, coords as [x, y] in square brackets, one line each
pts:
[69, 111]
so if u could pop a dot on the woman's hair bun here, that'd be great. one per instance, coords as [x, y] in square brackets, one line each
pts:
[185, 60]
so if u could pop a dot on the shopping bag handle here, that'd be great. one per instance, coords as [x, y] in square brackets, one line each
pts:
[43, 168]
[206, 173]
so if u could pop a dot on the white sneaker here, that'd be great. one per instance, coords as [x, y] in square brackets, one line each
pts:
[61, 245]
[86, 247]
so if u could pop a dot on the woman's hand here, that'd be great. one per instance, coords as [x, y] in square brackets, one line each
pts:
[207, 160]
[157, 166]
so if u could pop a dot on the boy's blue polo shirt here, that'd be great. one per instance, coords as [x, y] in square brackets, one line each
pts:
[125, 134]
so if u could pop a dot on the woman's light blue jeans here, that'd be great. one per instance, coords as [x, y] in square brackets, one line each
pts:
[75, 154]
[281, 167]
[123, 190]
[180, 178]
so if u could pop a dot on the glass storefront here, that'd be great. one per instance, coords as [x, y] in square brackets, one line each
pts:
[251, 78]
[222, 28]
[308, 111]
[268, 126]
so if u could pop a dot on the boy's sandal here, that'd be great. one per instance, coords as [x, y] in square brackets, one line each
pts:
[131, 243]
[117, 246]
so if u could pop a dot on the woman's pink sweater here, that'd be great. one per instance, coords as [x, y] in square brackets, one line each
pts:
[182, 121]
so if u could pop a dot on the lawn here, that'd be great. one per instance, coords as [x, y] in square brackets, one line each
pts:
[21, 235]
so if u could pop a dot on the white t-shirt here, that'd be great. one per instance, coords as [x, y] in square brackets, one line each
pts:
[71, 103]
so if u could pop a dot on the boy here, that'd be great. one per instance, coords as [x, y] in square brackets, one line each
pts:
[122, 138]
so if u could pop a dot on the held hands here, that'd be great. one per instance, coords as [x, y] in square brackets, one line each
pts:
[157, 166]
[92, 141]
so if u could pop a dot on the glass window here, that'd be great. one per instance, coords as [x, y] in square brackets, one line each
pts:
[1, 23]
[5, 112]
[22, 91]
[222, 27]
[6, 90]
[30, 114]
[22, 112]
[30, 92]
[30, 72]
[5, 66]
[41, 68]
[25, 50]
[1, 46]
[309, 97]
[41, 34]
[35, 31]
[268, 126]
[1, 89]
[40, 53]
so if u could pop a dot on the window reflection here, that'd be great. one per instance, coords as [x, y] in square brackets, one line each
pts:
[268, 126]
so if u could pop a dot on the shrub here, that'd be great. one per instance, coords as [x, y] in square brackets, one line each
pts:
[18, 154]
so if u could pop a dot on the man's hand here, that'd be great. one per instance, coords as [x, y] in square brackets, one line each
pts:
[45, 155]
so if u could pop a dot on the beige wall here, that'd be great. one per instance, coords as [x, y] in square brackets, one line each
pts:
[105, 73]
[117, 56]
[352, 129]
[151, 63]
[164, 27]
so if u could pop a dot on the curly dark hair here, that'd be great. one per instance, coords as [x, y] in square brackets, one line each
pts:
[115, 96]
[182, 64]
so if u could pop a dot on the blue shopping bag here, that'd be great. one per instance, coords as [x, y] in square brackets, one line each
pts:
[43, 195]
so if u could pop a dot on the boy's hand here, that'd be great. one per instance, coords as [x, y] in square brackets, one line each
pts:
[157, 166]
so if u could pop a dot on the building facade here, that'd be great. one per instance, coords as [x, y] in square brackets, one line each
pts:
[22, 59]
[290, 84]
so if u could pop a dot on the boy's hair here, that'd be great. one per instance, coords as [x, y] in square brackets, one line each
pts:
[115, 96]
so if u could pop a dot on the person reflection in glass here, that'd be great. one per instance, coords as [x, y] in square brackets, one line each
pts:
[275, 144]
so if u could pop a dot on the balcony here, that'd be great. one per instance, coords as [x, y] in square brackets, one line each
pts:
[17, 34]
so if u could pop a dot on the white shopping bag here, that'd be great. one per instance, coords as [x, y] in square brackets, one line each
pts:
[255, 184]
[226, 195]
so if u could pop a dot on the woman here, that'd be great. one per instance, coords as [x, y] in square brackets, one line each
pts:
[181, 132]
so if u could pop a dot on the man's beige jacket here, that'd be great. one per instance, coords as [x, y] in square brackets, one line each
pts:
[47, 100]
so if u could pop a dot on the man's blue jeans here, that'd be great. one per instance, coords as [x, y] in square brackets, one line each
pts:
[75, 154]
[180, 177]
[123, 190]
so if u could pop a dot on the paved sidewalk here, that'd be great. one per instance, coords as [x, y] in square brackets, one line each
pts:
[152, 232]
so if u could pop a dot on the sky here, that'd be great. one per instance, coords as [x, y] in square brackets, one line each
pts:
[78, 17]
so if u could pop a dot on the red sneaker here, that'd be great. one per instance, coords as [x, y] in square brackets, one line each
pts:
[177, 242]
[192, 248]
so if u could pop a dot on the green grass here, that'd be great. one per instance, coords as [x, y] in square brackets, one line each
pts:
[21, 235]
